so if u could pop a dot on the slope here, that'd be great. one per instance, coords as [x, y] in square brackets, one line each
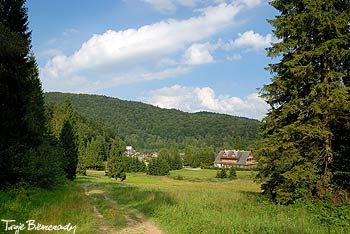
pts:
[148, 128]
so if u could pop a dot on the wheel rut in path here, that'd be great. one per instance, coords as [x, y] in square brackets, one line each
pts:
[140, 226]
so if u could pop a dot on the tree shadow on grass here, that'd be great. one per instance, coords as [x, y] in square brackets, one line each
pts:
[146, 201]
[255, 196]
[83, 179]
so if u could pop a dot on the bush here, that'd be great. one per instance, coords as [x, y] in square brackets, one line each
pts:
[158, 166]
[44, 166]
[221, 173]
[232, 173]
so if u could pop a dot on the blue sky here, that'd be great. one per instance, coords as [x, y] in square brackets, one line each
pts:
[191, 55]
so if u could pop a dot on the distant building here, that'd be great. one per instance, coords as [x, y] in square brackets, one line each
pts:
[235, 158]
[129, 150]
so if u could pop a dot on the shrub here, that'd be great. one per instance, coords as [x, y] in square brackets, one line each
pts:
[221, 173]
[232, 173]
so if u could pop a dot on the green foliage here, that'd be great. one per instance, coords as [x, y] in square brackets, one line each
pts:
[221, 173]
[133, 164]
[93, 154]
[150, 128]
[63, 204]
[305, 129]
[68, 141]
[116, 167]
[24, 136]
[232, 173]
[199, 157]
[329, 214]
[44, 165]
[158, 166]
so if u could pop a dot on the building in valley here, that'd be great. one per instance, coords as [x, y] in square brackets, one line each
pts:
[235, 158]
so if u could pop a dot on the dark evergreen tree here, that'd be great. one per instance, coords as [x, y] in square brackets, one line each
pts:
[93, 154]
[116, 167]
[164, 167]
[68, 141]
[22, 119]
[158, 166]
[205, 156]
[221, 173]
[232, 173]
[189, 154]
[308, 96]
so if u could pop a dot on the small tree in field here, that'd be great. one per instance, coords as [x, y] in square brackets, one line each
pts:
[232, 173]
[115, 165]
[221, 173]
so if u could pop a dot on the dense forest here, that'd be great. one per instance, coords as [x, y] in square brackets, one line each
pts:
[149, 128]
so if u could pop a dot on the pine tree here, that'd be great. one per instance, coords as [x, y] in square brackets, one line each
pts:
[221, 173]
[164, 167]
[93, 154]
[68, 141]
[22, 119]
[308, 95]
[116, 167]
[232, 173]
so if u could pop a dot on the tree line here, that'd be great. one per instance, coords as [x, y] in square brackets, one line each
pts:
[149, 128]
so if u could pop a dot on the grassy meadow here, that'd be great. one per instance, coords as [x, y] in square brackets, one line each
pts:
[186, 201]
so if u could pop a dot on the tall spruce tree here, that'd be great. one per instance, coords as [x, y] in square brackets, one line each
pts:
[22, 118]
[308, 97]
[116, 167]
[69, 141]
[69, 145]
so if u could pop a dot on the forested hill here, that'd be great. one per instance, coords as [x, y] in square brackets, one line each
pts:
[148, 128]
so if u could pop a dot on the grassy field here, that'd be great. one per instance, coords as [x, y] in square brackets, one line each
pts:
[187, 201]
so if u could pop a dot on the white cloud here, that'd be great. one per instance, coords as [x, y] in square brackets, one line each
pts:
[250, 3]
[192, 99]
[198, 54]
[104, 55]
[253, 41]
[234, 57]
[69, 31]
[50, 53]
[165, 6]
[162, 5]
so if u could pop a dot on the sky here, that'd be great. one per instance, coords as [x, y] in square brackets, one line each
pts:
[191, 55]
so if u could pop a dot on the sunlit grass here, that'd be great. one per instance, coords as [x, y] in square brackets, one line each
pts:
[63, 205]
[196, 204]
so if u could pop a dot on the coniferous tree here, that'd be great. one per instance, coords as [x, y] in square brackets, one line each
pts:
[188, 158]
[22, 119]
[164, 167]
[93, 154]
[116, 167]
[308, 96]
[221, 173]
[82, 160]
[232, 173]
[69, 145]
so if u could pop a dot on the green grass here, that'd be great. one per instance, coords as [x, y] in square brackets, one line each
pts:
[195, 204]
[207, 175]
[63, 205]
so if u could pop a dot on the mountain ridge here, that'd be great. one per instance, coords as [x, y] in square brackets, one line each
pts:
[150, 127]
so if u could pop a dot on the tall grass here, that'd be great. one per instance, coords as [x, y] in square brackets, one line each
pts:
[196, 204]
[62, 205]
[183, 206]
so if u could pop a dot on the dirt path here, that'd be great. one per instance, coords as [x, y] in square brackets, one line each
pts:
[140, 226]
